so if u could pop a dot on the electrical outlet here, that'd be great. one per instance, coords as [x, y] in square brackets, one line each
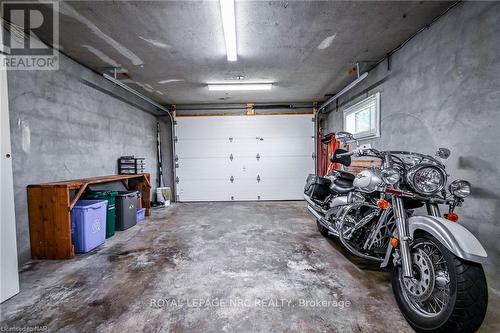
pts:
[366, 146]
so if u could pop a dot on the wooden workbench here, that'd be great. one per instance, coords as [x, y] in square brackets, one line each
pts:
[50, 204]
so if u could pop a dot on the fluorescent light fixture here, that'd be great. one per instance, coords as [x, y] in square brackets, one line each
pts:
[239, 86]
[229, 25]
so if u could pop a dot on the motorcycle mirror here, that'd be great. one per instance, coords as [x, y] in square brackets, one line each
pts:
[344, 136]
[443, 153]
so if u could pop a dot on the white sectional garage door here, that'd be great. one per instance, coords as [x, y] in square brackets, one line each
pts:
[224, 158]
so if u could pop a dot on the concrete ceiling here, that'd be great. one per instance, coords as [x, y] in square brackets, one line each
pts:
[169, 50]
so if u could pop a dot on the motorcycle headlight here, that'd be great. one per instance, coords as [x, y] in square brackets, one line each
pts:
[390, 176]
[460, 188]
[427, 179]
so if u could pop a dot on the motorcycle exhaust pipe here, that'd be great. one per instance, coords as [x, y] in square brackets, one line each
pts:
[314, 205]
[321, 219]
[316, 214]
[319, 213]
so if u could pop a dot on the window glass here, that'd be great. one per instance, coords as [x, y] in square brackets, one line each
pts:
[362, 119]
[350, 123]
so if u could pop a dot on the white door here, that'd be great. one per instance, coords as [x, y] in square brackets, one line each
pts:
[9, 280]
[224, 158]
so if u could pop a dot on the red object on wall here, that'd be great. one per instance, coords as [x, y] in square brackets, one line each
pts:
[334, 145]
[326, 148]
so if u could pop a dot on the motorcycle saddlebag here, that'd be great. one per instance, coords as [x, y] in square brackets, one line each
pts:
[317, 187]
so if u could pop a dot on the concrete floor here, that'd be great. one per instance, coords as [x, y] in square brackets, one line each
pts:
[211, 267]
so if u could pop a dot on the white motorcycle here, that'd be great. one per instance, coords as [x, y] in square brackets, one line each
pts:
[437, 277]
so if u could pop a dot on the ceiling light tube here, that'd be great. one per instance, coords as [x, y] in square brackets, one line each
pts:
[229, 25]
[240, 86]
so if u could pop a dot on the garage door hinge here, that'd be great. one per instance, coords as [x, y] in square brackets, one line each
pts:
[177, 180]
[231, 179]
[313, 156]
[257, 157]
[258, 179]
[175, 139]
[313, 119]
[176, 158]
[175, 122]
[176, 197]
[176, 165]
[231, 157]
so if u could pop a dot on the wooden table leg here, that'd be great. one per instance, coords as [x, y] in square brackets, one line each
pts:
[50, 223]
[143, 185]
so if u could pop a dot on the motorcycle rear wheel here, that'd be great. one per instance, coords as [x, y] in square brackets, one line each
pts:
[462, 282]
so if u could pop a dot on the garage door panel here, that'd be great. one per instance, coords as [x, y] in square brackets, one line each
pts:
[286, 166]
[203, 149]
[291, 146]
[268, 189]
[241, 189]
[278, 188]
[203, 190]
[204, 128]
[209, 128]
[275, 166]
[245, 188]
[284, 125]
[205, 168]
[245, 167]
[244, 147]
[249, 147]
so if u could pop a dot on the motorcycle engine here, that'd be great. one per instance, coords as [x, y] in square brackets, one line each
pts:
[368, 180]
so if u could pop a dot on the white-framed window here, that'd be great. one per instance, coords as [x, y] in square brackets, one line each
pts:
[363, 118]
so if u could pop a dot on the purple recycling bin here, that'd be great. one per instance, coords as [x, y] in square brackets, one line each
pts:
[88, 224]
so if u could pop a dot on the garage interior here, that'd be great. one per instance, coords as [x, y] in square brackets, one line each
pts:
[222, 144]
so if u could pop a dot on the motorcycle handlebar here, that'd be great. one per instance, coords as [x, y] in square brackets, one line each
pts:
[350, 153]
[360, 152]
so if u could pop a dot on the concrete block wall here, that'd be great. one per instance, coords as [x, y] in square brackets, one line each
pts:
[73, 123]
[443, 90]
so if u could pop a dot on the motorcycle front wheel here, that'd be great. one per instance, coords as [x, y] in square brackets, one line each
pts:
[446, 293]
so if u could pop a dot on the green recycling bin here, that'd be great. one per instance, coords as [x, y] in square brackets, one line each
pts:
[111, 211]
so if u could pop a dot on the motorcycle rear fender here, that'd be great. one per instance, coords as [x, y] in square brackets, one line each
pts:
[460, 241]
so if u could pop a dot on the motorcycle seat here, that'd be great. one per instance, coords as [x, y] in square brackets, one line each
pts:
[343, 182]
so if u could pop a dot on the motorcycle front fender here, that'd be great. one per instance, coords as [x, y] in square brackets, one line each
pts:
[460, 241]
